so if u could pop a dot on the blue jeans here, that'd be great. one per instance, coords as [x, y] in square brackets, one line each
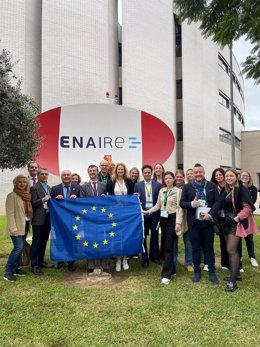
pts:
[15, 255]
[187, 249]
[202, 234]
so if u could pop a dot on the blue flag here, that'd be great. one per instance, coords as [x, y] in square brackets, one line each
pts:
[96, 227]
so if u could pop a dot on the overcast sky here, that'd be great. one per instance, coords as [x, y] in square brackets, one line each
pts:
[252, 92]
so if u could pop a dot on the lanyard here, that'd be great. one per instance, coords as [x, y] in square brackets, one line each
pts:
[166, 194]
[148, 189]
[228, 194]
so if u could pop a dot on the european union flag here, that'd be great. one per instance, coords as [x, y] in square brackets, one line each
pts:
[96, 227]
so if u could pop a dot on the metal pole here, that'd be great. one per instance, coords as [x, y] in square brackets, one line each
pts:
[233, 144]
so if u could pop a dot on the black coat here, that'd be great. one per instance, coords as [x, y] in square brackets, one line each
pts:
[128, 183]
[241, 195]
[188, 195]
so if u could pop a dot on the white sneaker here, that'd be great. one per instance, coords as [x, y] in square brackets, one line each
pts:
[224, 268]
[253, 262]
[118, 265]
[165, 281]
[206, 267]
[125, 265]
[241, 270]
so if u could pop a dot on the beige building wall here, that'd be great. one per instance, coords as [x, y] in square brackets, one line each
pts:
[79, 52]
[20, 28]
[203, 115]
[148, 60]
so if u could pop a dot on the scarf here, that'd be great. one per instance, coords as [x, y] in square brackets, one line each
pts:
[199, 188]
[26, 197]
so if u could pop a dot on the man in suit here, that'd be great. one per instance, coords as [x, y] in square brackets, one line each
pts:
[103, 175]
[201, 199]
[94, 188]
[66, 190]
[33, 168]
[148, 191]
[40, 194]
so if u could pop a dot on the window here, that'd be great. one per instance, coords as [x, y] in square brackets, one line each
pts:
[120, 54]
[223, 64]
[179, 89]
[120, 97]
[223, 100]
[178, 48]
[225, 136]
[179, 131]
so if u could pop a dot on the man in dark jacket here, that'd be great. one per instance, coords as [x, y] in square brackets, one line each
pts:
[201, 199]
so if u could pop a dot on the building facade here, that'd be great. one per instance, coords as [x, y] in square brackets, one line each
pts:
[72, 52]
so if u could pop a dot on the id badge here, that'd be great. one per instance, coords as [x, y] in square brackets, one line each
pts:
[164, 214]
[202, 203]
[148, 204]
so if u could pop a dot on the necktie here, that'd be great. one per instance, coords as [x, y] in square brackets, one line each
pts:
[67, 192]
[34, 181]
[94, 188]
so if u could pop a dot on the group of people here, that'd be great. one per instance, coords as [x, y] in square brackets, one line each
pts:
[193, 208]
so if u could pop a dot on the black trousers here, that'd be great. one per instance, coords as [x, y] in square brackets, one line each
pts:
[40, 238]
[168, 227]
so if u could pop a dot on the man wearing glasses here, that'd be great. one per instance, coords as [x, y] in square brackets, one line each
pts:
[103, 175]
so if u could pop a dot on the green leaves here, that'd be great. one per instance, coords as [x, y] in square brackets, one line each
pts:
[227, 21]
[18, 135]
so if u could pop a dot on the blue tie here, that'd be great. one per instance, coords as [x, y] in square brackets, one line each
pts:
[68, 191]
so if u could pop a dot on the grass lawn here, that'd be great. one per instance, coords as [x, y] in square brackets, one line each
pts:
[137, 311]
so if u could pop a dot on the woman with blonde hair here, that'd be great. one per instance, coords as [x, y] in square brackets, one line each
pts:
[18, 209]
[237, 207]
[120, 185]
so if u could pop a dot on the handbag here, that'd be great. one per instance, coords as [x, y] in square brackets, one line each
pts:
[252, 227]
[25, 256]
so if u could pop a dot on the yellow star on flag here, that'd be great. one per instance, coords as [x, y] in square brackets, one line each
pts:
[112, 234]
[105, 242]
[75, 227]
[77, 237]
[95, 245]
[110, 215]
[85, 243]
[113, 224]
[84, 211]
[103, 210]
[77, 217]
[94, 208]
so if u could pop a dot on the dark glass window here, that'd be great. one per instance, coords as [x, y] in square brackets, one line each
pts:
[179, 131]
[179, 89]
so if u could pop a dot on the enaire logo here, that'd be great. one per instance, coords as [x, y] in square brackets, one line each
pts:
[79, 135]
[105, 142]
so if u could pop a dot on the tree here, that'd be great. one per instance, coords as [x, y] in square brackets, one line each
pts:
[18, 124]
[227, 21]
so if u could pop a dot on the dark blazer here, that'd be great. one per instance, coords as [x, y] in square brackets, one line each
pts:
[86, 189]
[39, 213]
[58, 190]
[241, 195]
[253, 193]
[129, 185]
[140, 188]
[188, 195]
